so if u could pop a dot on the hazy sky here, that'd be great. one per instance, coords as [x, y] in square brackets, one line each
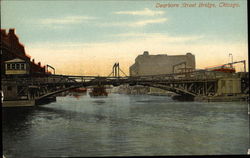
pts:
[87, 37]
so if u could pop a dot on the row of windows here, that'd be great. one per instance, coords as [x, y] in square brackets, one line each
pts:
[15, 66]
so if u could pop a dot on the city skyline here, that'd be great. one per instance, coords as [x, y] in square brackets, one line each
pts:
[87, 38]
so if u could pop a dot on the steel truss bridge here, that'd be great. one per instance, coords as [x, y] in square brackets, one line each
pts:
[192, 84]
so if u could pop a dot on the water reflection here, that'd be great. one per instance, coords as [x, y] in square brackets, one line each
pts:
[15, 124]
[125, 125]
[75, 93]
[16, 118]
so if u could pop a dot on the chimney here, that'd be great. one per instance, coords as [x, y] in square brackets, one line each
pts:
[39, 63]
[11, 31]
[3, 32]
[145, 53]
[33, 60]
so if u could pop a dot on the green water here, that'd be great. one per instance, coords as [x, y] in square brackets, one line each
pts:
[125, 125]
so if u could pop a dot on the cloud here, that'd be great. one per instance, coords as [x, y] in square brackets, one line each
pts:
[130, 37]
[151, 21]
[160, 36]
[145, 12]
[139, 23]
[66, 20]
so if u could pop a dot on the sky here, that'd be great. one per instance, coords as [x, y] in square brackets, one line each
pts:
[81, 37]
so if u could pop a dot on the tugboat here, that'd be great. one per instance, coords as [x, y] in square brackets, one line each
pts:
[79, 90]
[99, 90]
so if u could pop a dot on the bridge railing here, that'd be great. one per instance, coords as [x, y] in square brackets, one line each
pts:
[199, 74]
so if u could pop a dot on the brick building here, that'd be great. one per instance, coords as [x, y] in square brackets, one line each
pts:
[12, 49]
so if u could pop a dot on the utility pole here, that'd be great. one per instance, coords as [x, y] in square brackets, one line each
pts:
[230, 54]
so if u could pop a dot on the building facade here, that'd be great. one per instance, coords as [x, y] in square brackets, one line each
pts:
[16, 67]
[162, 64]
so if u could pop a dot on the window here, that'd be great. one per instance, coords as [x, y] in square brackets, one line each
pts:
[17, 66]
[8, 66]
[13, 66]
[22, 66]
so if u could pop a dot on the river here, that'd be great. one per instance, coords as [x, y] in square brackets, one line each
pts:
[125, 125]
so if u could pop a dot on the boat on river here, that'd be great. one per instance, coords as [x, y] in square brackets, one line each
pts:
[79, 90]
[99, 90]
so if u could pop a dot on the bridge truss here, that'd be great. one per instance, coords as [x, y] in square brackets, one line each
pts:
[192, 84]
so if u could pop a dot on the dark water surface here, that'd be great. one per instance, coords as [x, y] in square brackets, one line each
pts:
[125, 125]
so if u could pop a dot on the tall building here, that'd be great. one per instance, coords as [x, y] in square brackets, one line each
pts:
[146, 64]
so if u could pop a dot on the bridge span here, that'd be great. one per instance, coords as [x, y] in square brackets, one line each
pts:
[201, 84]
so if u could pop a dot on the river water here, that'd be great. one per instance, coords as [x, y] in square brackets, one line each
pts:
[127, 125]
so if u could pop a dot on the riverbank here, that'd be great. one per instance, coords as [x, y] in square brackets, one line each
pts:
[27, 103]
